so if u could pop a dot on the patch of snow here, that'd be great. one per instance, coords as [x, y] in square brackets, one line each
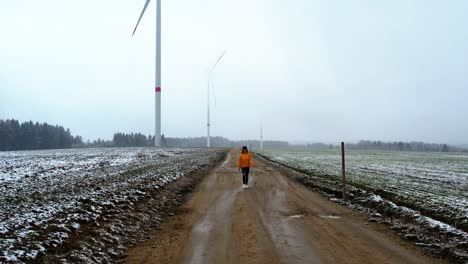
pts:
[376, 198]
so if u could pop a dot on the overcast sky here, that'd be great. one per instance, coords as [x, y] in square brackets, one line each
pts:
[309, 70]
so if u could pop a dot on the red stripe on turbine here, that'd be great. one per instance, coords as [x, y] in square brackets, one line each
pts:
[157, 89]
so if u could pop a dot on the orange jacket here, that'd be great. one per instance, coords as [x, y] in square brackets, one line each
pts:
[245, 160]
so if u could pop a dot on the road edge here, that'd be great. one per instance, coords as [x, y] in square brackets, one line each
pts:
[401, 225]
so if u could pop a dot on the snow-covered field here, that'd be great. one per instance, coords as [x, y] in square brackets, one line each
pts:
[48, 196]
[430, 190]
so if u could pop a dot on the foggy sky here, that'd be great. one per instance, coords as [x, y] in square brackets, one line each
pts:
[308, 70]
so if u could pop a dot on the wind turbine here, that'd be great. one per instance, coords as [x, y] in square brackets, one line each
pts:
[208, 124]
[157, 86]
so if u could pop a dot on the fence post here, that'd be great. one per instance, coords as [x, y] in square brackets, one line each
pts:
[343, 171]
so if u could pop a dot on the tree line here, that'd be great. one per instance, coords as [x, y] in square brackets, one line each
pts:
[392, 146]
[140, 140]
[119, 140]
[403, 146]
[30, 136]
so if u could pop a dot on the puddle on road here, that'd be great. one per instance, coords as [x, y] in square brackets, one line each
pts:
[288, 236]
[296, 216]
[329, 216]
[296, 213]
[202, 231]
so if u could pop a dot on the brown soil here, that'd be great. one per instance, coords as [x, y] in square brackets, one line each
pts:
[274, 221]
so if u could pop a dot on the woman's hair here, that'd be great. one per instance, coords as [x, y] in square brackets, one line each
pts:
[244, 148]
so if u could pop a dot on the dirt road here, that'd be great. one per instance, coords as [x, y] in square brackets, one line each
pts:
[274, 221]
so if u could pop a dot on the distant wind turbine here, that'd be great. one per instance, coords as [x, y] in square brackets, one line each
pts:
[208, 124]
[157, 86]
[261, 136]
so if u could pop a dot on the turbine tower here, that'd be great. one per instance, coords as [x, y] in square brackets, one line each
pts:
[208, 124]
[261, 136]
[157, 86]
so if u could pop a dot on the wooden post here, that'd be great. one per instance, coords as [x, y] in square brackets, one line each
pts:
[343, 171]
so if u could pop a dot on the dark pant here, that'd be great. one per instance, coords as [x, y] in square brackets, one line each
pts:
[245, 175]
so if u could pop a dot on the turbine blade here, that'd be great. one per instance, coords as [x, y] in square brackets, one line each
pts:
[219, 59]
[142, 13]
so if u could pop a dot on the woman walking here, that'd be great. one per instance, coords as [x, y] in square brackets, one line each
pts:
[245, 163]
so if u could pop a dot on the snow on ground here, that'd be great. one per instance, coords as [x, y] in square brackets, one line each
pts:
[49, 195]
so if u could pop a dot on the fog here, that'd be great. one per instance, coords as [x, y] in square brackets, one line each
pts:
[307, 70]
